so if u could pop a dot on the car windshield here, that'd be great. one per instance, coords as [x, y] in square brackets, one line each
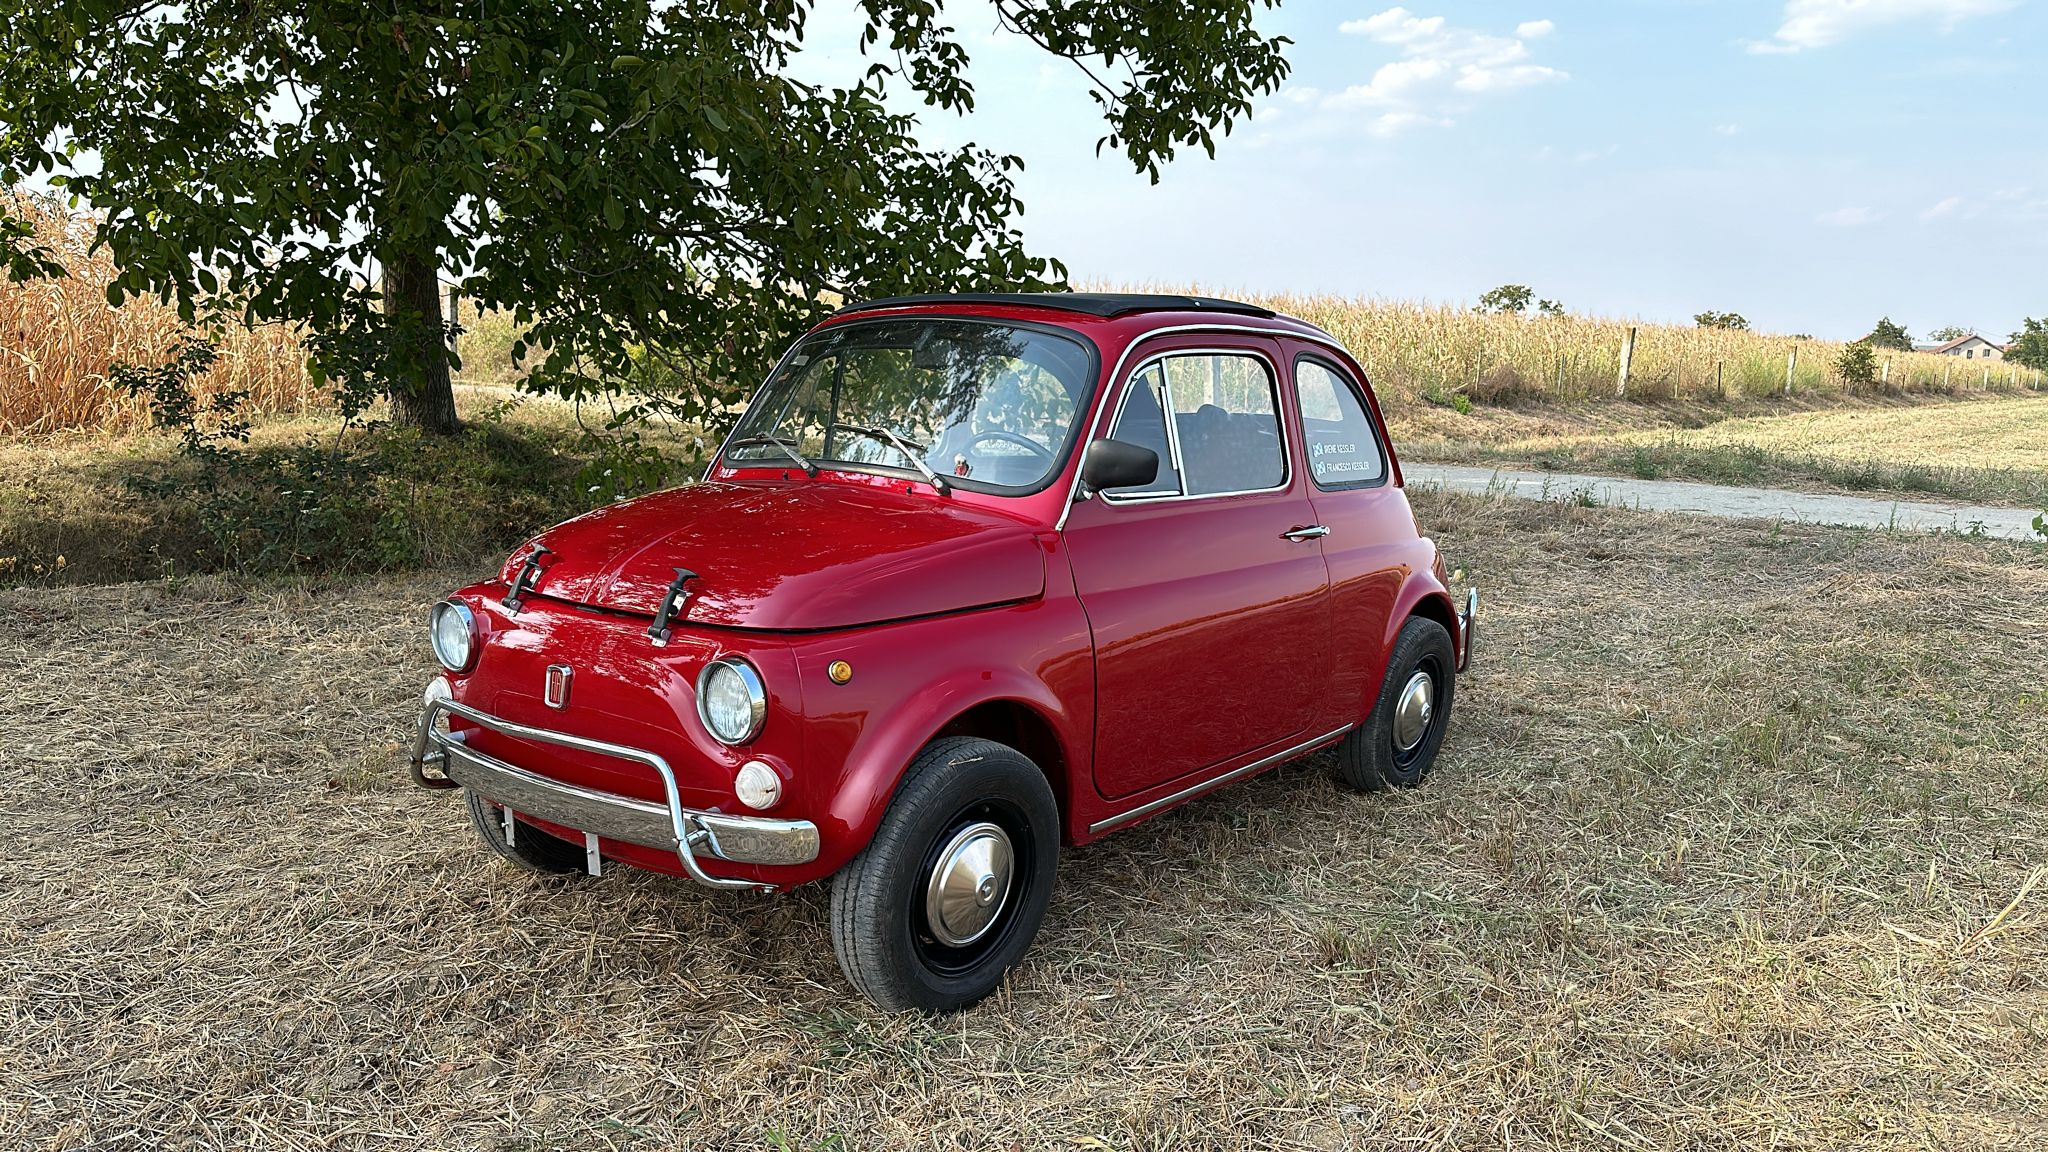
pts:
[987, 406]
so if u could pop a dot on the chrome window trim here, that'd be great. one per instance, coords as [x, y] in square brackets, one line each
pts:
[1166, 421]
[1173, 431]
[1372, 426]
[1117, 373]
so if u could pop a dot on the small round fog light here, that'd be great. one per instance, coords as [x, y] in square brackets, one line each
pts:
[757, 785]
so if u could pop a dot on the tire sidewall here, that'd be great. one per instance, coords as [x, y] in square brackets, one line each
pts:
[953, 783]
[1422, 644]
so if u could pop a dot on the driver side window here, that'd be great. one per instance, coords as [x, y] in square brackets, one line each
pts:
[1213, 418]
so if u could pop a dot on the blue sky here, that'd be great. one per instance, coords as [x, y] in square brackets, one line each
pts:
[1812, 164]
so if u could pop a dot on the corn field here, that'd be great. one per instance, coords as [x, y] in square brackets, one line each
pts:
[59, 339]
[1435, 352]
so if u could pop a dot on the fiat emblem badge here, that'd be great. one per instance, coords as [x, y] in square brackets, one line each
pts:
[557, 694]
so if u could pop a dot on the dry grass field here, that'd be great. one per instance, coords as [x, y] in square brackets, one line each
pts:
[1740, 839]
[59, 340]
[1418, 351]
[1985, 449]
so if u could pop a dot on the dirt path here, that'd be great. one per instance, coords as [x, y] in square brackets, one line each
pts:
[1735, 503]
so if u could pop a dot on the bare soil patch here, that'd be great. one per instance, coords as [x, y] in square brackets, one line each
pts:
[1731, 845]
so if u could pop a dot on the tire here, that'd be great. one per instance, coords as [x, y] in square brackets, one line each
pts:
[889, 944]
[1373, 757]
[531, 849]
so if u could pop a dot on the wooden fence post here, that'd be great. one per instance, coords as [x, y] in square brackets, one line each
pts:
[1720, 385]
[1987, 379]
[1791, 366]
[1628, 355]
[1560, 375]
[1947, 370]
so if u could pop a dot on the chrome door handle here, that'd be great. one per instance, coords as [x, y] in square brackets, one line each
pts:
[1312, 532]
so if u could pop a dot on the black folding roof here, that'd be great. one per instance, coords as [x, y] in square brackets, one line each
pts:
[1089, 303]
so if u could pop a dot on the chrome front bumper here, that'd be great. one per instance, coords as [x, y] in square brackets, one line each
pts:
[688, 832]
[1467, 621]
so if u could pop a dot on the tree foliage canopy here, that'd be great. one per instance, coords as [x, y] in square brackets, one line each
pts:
[1507, 300]
[1889, 335]
[642, 185]
[1733, 321]
[1947, 333]
[2029, 347]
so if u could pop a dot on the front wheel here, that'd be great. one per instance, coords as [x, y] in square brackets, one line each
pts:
[950, 892]
[1400, 739]
[528, 847]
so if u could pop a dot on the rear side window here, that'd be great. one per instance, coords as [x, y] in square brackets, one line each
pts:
[1213, 417]
[1337, 435]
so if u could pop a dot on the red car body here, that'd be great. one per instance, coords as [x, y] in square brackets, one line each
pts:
[1139, 653]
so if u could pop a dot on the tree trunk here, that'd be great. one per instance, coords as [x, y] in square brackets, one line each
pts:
[420, 394]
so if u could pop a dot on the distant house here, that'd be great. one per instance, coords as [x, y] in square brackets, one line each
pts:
[1971, 347]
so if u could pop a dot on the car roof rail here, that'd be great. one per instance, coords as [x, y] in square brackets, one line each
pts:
[1104, 304]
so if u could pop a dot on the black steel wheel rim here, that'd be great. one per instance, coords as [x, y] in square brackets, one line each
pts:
[1409, 758]
[955, 960]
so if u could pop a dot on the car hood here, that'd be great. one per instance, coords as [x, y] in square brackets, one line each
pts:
[790, 556]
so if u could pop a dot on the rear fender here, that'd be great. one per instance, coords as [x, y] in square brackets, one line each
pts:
[1423, 595]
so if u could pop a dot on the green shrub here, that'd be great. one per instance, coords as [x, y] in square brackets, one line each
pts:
[1857, 366]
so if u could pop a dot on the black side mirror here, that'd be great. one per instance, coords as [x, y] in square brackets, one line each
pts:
[1115, 464]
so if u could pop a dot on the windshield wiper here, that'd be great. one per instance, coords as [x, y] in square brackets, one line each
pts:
[787, 448]
[910, 451]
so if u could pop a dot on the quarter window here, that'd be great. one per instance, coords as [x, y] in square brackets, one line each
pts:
[1213, 417]
[1337, 435]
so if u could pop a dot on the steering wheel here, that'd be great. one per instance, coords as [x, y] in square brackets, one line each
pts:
[1025, 442]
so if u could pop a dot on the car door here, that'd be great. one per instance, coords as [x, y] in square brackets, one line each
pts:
[1205, 590]
[1350, 484]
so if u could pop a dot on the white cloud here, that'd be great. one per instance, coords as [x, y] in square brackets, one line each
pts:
[1945, 208]
[1819, 23]
[1394, 123]
[1438, 62]
[1854, 217]
[1728, 129]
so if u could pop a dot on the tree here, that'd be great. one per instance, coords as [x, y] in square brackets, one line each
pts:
[1857, 365]
[2029, 347]
[1507, 300]
[1889, 335]
[636, 183]
[1732, 321]
[1550, 308]
[1951, 332]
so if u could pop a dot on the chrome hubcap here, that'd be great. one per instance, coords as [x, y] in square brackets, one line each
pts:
[1413, 711]
[969, 885]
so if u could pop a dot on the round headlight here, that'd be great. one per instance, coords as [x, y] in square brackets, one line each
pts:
[454, 634]
[731, 700]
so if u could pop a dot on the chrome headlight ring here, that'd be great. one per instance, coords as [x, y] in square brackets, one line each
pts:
[452, 631]
[732, 701]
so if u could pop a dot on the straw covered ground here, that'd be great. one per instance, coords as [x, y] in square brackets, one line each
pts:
[1738, 841]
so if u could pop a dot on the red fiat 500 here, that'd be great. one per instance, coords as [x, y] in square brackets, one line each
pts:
[974, 578]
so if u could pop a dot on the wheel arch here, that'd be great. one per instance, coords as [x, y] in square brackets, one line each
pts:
[1021, 713]
[1422, 595]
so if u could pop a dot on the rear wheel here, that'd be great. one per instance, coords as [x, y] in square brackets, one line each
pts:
[529, 847]
[949, 894]
[1398, 744]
